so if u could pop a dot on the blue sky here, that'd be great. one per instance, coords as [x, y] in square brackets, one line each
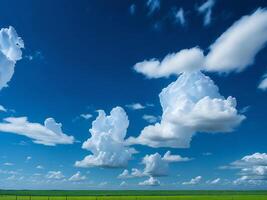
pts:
[74, 59]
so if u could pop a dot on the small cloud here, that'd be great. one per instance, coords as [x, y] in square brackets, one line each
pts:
[151, 118]
[263, 83]
[123, 183]
[39, 167]
[207, 154]
[103, 183]
[77, 177]
[179, 16]
[86, 116]
[206, 9]
[55, 175]
[132, 9]
[28, 158]
[8, 164]
[193, 181]
[2, 109]
[150, 182]
[35, 55]
[153, 6]
[135, 106]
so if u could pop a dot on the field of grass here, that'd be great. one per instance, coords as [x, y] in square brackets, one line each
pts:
[132, 195]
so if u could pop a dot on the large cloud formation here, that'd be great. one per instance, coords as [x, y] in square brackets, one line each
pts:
[107, 141]
[190, 104]
[10, 53]
[234, 50]
[49, 134]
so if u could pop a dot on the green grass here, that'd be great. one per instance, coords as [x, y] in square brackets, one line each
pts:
[130, 195]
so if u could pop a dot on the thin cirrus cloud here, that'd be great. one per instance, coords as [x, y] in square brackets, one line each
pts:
[49, 134]
[188, 104]
[179, 16]
[107, 141]
[206, 10]
[239, 41]
[10, 52]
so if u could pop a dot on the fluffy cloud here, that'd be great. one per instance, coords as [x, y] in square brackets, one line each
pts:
[155, 165]
[183, 61]
[55, 175]
[150, 182]
[77, 177]
[10, 53]
[239, 41]
[253, 169]
[193, 181]
[134, 173]
[153, 6]
[206, 9]
[236, 48]
[263, 83]
[48, 134]
[190, 104]
[107, 141]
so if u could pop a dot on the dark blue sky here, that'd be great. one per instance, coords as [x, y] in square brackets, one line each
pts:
[83, 53]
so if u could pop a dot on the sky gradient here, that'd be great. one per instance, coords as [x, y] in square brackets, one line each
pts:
[133, 94]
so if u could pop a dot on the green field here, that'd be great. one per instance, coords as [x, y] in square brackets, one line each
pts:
[131, 195]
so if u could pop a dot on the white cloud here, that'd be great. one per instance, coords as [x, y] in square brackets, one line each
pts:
[237, 47]
[215, 181]
[10, 53]
[174, 158]
[151, 181]
[135, 106]
[28, 158]
[2, 109]
[55, 175]
[48, 134]
[86, 116]
[206, 9]
[190, 104]
[155, 165]
[179, 16]
[134, 173]
[107, 141]
[193, 181]
[153, 6]
[263, 83]
[8, 164]
[253, 169]
[150, 118]
[186, 60]
[123, 183]
[77, 177]
[39, 167]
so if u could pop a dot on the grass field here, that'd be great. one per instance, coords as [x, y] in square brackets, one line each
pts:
[131, 195]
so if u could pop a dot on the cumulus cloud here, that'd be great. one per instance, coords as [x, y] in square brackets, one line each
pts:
[107, 141]
[153, 6]
[133, 174]
[86, 116]
[55, 175]
[252, 169]
[48, 134]
[151, 181]
[186, 60]
[190, 104]
[193, 181]
[206, 10]
[237, 47]
[10, 52]
[77, 177]
[263, 83]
